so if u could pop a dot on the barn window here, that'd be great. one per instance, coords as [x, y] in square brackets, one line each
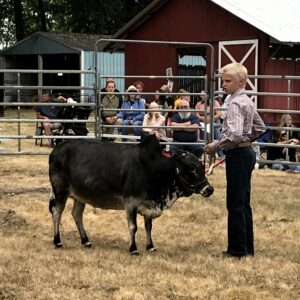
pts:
[191, 65]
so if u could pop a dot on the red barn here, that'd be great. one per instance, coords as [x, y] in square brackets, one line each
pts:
[263, 35]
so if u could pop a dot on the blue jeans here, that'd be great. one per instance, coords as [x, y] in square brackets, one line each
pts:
[136, 131]
[217, 130]
[240, 163]
[294, 168]
[280, 167]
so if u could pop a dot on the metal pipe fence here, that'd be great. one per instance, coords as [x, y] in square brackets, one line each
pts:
[98, 109]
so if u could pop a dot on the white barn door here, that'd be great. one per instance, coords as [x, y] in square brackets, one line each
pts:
[244, 52]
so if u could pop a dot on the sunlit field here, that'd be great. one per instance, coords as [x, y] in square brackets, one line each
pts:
[189, 239]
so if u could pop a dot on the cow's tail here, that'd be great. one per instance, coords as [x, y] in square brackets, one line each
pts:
[51, 201]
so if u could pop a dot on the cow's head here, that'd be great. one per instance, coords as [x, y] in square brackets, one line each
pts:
[190, 176]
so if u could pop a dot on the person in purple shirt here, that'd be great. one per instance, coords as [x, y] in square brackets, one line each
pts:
[241, 125]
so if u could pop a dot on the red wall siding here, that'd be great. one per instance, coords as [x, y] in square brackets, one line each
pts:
[188, 21]
[149, 60]
[280, 67]
[202, 21]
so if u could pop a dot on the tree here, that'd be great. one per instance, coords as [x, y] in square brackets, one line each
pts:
[42, 16]
[19, 19]
[7, 26]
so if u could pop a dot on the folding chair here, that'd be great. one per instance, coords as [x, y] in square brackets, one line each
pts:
[39, 131]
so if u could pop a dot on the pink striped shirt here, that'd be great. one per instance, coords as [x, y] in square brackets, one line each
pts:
[241, 124]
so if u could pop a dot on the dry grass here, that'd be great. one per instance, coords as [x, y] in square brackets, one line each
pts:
[189, 239]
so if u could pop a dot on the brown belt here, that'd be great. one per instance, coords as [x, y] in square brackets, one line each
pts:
[243, 144]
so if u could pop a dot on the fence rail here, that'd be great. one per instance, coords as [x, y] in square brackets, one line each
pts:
[97, 108]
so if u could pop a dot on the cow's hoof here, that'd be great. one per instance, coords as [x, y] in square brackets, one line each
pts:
[152, 249]
[134, 253]
[58, 245]
[88, 245]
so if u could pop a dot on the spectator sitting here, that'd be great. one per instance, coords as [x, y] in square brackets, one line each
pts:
[104, 90]
[155, 118]
[156, 96]
[134, 118]
[165, 101]
[49, 113]
[206, 119]
[280, 153]
[224, 112]
[287, 121]
[140, 87]
[182, 97]
[188, 134]
[110, 101]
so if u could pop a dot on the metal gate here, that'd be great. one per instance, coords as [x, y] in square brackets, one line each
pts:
[97, 106]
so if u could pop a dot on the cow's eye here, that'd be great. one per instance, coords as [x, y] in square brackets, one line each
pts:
[193, 169]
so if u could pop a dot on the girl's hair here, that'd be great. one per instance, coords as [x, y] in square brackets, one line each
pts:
[237, 70]
[153, 105]
[283, 120]
[182, 91]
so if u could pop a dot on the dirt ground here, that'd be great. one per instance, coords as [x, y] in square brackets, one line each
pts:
[189, 239]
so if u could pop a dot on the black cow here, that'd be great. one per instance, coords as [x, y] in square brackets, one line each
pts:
[137, 178]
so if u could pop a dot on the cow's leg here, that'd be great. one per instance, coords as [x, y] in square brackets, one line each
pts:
[148, 228]
[56, 206]
[131, 214]
[77, 213]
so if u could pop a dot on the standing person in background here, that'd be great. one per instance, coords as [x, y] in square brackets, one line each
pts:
[204, 98]
[140, 87]
[241, 124]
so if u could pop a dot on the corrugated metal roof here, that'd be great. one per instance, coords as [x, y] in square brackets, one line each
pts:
[278, 18]
[46, 42]
[78, 41]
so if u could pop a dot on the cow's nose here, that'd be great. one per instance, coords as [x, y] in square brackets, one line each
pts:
[207, 191]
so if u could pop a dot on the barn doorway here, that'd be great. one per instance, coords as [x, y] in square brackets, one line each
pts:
[190, 64]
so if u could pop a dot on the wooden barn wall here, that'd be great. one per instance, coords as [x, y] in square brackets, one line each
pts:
[282, 67]
[190, 20]
[145, 60]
